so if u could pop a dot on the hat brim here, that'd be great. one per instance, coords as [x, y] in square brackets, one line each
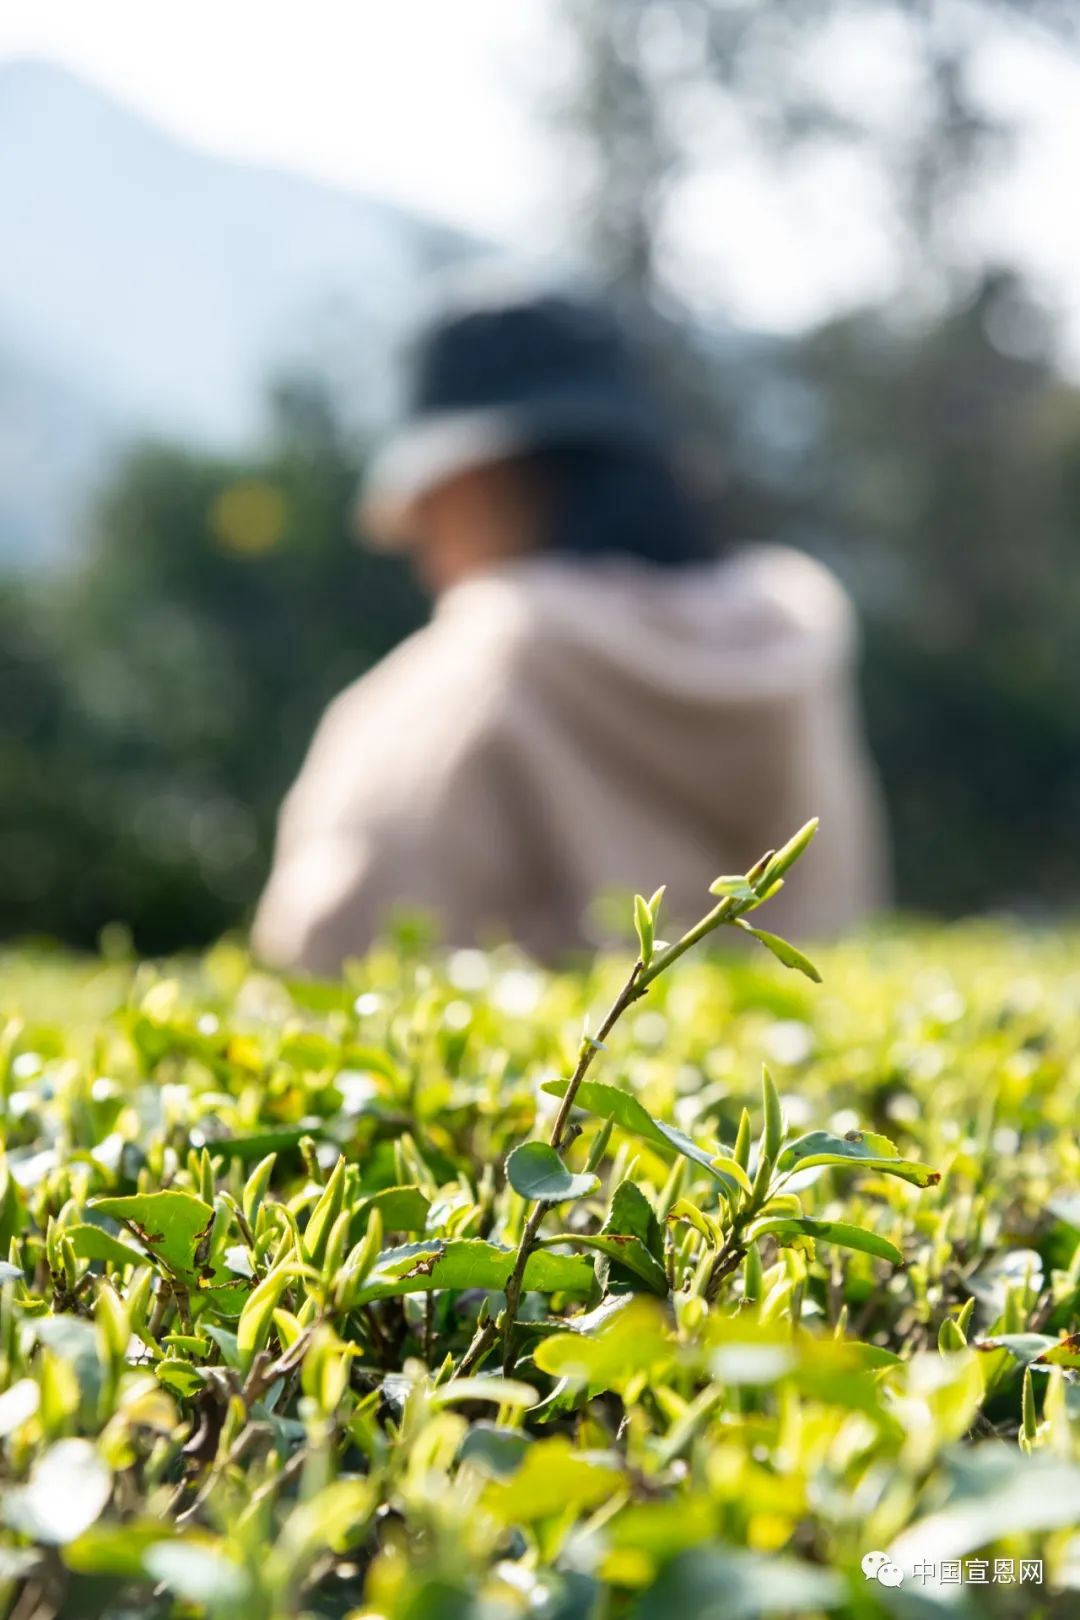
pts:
[431, 451]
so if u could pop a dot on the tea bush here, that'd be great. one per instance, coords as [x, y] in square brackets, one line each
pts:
[397, 1297]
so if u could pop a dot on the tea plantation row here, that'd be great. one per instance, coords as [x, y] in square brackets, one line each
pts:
[256, 1241]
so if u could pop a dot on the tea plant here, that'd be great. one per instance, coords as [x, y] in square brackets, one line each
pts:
[393, 1298]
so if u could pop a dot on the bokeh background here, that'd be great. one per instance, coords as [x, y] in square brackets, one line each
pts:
[848, 229]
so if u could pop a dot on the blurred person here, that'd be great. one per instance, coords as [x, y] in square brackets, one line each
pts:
[604, 698]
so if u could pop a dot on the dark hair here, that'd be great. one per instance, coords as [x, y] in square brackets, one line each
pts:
[605, 501]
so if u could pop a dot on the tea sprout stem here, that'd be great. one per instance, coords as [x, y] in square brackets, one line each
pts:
[629, 993]
[758, 885]
[726, 911]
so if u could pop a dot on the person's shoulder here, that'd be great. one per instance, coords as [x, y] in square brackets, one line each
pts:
[787, 575]
[440, 697]
[448, 658]
[792, 587]
[491, 629]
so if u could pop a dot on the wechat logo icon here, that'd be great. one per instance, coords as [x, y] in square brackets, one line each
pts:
[878, 1566]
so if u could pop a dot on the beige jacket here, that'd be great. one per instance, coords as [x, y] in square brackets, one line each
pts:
[561, 729]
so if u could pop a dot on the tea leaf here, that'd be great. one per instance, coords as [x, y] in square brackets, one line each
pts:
[625, 1250]
[323, 1216]
[840, 1232]
[785, 857]
[609, 1102]
[1063, 1352]
[633, 1341]
[859, 1148]
[1024, 1347]
[783, 951]
[197, 1573]
[67, 1490]
[553, 1477]
[499, 1391]
[470, 1263]
[496, 1452]
[169, 1225]
[403, 1209]
[536, 1172]
[94, 1243]
[646, 932]
[773, 1130]
[752, 1585]
[257, 1316]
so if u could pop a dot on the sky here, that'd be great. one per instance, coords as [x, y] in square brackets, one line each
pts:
[427, 102]
[436, 104]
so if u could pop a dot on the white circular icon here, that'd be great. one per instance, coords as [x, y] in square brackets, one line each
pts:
[878, 1566]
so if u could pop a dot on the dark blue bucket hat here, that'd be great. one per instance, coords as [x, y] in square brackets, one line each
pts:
[503, 373]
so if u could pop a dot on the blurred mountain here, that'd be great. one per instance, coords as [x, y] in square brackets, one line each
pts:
[146, 285]
[55, 442]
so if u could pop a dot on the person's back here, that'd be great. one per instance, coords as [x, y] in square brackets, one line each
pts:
[612, 713]
[566, 729]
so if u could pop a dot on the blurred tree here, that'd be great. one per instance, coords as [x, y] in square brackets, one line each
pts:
[41, 825]
[946, 478]
[662, 90]
[926, 446]
[162, 699]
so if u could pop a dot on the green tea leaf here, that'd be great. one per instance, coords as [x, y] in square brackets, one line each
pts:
[496, 1452]
[684, 1210]
[631, 1242]
[486, 1387]
[68, 1489]
[782, 950]
[631, 1343]
[753, 1586]
[727, 1166]
[256, 1318]
[403, 1209]
[1029, 1422]
[179, 1376]
[625, 1250]
[170, 1224]
[323, 1216]
[646, 929]
[260, 1144]
[734, 887]
[785, 857]
[773, 1130]
[225, 1340]
[1062, 1352]
[609, 1102]
[536, 1171]
[470, 1263]
[94, 1243]
[115, 1549]
[552, 1478]
[859, 1148]
[255, 1187]
[18, 1404]
[631, 1212]
[197, 1573]
[1024, 1347]
[839, 1232]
